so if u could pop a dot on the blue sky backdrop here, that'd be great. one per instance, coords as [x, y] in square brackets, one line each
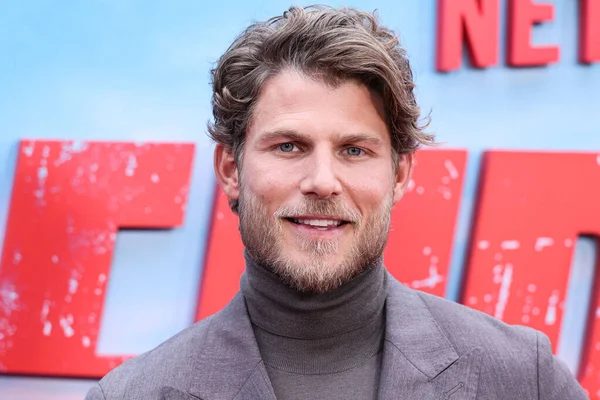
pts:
[138, 70]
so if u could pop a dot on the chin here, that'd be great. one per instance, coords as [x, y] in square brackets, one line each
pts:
[308, 271]
[329, 252]
[328, 261]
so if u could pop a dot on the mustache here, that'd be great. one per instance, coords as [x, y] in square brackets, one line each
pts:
[329, 208]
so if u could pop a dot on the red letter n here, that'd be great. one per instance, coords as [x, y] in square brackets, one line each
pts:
[68, 202]
[477, 22]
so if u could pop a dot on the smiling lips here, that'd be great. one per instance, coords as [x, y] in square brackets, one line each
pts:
[319, 224]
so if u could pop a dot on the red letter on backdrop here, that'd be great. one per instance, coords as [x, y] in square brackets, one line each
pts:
[523, 14]
[531, 209]
[69, 200]
[419, 246]
[590, 31]
[589, 370]
[477, 22]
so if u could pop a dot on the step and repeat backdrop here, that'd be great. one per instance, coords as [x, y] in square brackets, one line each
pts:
[115, 236]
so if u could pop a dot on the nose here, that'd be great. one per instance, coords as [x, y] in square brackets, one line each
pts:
[321, 180]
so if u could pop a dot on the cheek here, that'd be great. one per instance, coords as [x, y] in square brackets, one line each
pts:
[371, 198]
[269, 184]
[370, 190]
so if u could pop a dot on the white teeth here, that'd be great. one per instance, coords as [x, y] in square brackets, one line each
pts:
[320, 223]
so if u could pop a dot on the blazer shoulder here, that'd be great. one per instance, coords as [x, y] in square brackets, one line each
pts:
[510, 353]
[215, 355]
[161, 366]
[507, 354]
[467, 328]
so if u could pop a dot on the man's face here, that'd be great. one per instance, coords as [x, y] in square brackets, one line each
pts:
[317, 181]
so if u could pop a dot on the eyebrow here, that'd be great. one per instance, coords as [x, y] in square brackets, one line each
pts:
[360, 137]
[292, 135]
[282, 134]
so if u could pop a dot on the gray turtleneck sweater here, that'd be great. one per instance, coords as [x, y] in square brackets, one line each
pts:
[323, 346]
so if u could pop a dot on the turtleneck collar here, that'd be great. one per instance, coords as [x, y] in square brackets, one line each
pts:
[279, 309]
[316, 333]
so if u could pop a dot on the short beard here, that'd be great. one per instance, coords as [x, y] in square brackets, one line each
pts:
[262, 235]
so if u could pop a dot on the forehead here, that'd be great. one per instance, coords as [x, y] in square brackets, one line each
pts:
[291, 100]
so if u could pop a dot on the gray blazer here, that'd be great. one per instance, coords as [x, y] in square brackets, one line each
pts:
[434, 349]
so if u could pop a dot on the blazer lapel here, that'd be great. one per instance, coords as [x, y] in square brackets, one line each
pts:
[418, 359]
[258, 386]
[230, 363]
[171, 393]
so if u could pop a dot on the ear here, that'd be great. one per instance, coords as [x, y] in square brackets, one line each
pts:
[405, 168]
[226, 171]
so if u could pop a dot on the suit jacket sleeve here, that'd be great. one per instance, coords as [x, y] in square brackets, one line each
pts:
[555, 380]
[95, 393]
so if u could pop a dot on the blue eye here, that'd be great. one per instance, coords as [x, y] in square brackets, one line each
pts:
[286, 147]
[354, 151]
